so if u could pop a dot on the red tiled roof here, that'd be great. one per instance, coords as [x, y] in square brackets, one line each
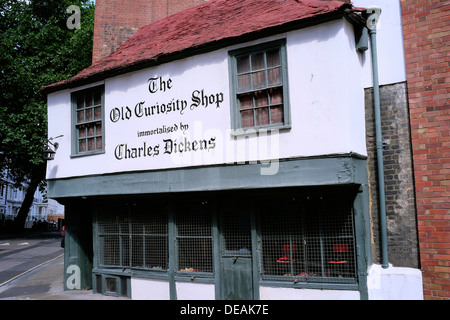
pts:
[210, 23]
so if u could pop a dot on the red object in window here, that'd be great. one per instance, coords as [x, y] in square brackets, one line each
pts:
[285, 259]
[340, 247]
[286, 248]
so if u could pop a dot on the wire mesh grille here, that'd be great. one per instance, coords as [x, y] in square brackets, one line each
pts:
[150, 238]
[194, 238]
[236, 231]
[308, 240]
[133, 236]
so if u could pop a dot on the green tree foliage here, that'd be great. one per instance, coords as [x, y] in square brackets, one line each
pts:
[37, 48]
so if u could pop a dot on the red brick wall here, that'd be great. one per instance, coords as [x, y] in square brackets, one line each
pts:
[426, 27]
[117, 20]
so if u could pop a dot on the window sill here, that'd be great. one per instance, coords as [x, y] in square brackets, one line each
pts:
[203, 278]
[258, 130]
[87, 154]
[132, 272]
[309, 285]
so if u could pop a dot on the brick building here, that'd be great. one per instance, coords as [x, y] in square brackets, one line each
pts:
[426, 37]
[117, 20]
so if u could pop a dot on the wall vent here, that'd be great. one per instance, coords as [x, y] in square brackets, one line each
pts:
[112, 285]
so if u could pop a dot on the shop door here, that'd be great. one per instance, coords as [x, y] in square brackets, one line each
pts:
[236, 280]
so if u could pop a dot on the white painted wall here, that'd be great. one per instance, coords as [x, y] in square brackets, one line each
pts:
[272, 293]
[390, 48]
[147, 289]
[326, 103]
[394, 283]
[383, 284]
[195, 291]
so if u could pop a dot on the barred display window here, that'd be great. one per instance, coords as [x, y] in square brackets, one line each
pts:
[133, 237]
[293, 238]
[310, 239]
[136, 236]
[194, 240]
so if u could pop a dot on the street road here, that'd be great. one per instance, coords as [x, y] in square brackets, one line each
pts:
[32, 268]
[20, 256]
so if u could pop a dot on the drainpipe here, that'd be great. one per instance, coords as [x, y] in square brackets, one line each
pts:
[373, 13]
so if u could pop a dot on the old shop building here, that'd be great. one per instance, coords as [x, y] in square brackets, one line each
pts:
[222, 151]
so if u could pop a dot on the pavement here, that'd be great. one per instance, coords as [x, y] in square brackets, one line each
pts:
[45, 282]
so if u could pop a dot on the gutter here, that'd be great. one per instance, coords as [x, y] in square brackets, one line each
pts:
[365, 23]
[373, 14]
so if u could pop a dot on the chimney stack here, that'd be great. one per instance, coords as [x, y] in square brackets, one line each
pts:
[118, 20]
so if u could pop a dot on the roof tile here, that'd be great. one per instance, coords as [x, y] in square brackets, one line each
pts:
[205, 24]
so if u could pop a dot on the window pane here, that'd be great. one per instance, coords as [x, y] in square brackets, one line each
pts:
[277, 114]
[156, 253]
[98, 98]
[82, 132]
[88, 100]
[91, 129]
[276, 96]
[137, 247]
[259, 80]
[80, 102]
[99, 143]
[236, 230]
[244, 82]
[98, 113]
[194, 238]
[82, 145]
[80, 116]
[109, 245]
[149, 252]
[91, 144]
[243, 64]
[88, 114]
[114, 246]
[98, 129]
[195, 255]
[246, 101]
[149, 234]
[247, 119]
[258, 61]
[261, 99]
[194, 220]
[274, 76]
[262, 116]
[273, 58]
[125, 250]
[281, 240]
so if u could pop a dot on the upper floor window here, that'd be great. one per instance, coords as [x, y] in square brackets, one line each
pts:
[259, 86]
[88, 126]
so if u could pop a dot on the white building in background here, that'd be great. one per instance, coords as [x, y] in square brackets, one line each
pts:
[42, 209]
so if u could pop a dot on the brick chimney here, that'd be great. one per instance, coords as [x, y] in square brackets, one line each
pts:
[117, 20]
